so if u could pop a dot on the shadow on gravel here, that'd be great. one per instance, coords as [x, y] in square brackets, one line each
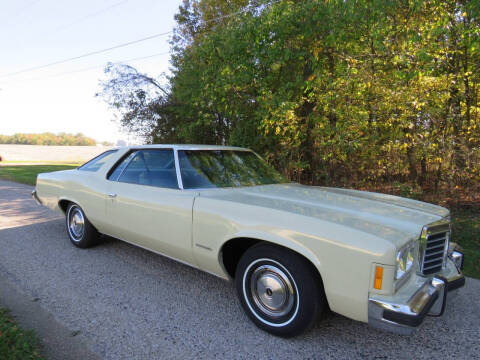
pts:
[16, 209]
[130, 303]
[12, 214]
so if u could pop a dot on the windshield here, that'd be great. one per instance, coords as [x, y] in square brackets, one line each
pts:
[225, 168]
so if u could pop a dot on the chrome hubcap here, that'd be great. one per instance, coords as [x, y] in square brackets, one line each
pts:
[76, 223]
[272, 291]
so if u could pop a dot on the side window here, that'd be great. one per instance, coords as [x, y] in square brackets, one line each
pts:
[191, 170]
[97, 162]
[154, 167]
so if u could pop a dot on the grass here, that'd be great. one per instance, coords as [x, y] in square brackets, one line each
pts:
[16, 343]
[27, 174]
[466, 233]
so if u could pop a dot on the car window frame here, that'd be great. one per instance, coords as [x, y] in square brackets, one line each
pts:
[135, 150]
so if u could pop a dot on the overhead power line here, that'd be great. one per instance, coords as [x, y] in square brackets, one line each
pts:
[85, 55]
[88, 16]
[117, 46]
[26, 7]
[88, 68]
[114, 62]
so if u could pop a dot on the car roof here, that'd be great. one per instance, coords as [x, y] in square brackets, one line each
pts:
[186, 147]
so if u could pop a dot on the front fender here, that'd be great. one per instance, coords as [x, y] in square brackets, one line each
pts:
[275, 239]
[343, 256]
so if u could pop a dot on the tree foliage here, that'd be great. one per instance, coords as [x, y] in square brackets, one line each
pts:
[355, 93]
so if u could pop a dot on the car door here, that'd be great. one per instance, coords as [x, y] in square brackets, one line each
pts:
[145, 206]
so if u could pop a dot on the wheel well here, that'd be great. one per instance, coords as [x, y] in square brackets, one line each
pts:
[63, 204]
[233, 250]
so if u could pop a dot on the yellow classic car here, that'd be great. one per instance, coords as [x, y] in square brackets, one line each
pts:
[292, 250]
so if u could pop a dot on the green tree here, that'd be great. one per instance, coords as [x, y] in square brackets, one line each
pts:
[47, 139]
[354, 93]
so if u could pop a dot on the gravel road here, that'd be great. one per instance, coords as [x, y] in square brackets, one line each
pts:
[123, 302]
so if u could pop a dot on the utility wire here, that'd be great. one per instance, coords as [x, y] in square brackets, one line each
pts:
[88, 16]
[27, 6]
[90, 68]
[85, 55]
[117, 46]
[113, 62]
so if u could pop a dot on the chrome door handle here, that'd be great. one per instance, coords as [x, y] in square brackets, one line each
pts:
[112, 195]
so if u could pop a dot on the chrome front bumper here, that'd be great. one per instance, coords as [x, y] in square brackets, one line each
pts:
[404, 311]
[36, 198]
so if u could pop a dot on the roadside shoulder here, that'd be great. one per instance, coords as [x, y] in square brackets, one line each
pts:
[58, 342]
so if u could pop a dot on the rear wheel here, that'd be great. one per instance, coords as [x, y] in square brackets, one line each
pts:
[279, 290]
[80, 231]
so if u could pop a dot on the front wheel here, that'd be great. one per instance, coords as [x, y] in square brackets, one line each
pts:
[279, 290]
[80, 231]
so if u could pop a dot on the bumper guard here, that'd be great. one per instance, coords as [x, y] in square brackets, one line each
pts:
[36, 198]
[403, 317]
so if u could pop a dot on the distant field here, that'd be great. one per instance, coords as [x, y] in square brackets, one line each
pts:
[48, 154]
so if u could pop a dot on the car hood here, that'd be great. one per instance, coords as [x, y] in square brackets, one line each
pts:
[390, 217]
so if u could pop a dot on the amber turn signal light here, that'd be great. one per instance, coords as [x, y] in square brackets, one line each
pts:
[378, 277]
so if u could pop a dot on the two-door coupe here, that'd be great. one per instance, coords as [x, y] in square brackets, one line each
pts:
[292, 250]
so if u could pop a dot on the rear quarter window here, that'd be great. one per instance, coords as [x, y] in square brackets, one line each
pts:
[97, 162]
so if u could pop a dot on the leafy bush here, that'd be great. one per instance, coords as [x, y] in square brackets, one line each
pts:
[350, 93]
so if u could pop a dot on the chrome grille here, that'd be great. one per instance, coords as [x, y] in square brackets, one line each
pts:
[433, 246]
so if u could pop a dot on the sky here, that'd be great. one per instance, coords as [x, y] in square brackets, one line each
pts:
[61, 98]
